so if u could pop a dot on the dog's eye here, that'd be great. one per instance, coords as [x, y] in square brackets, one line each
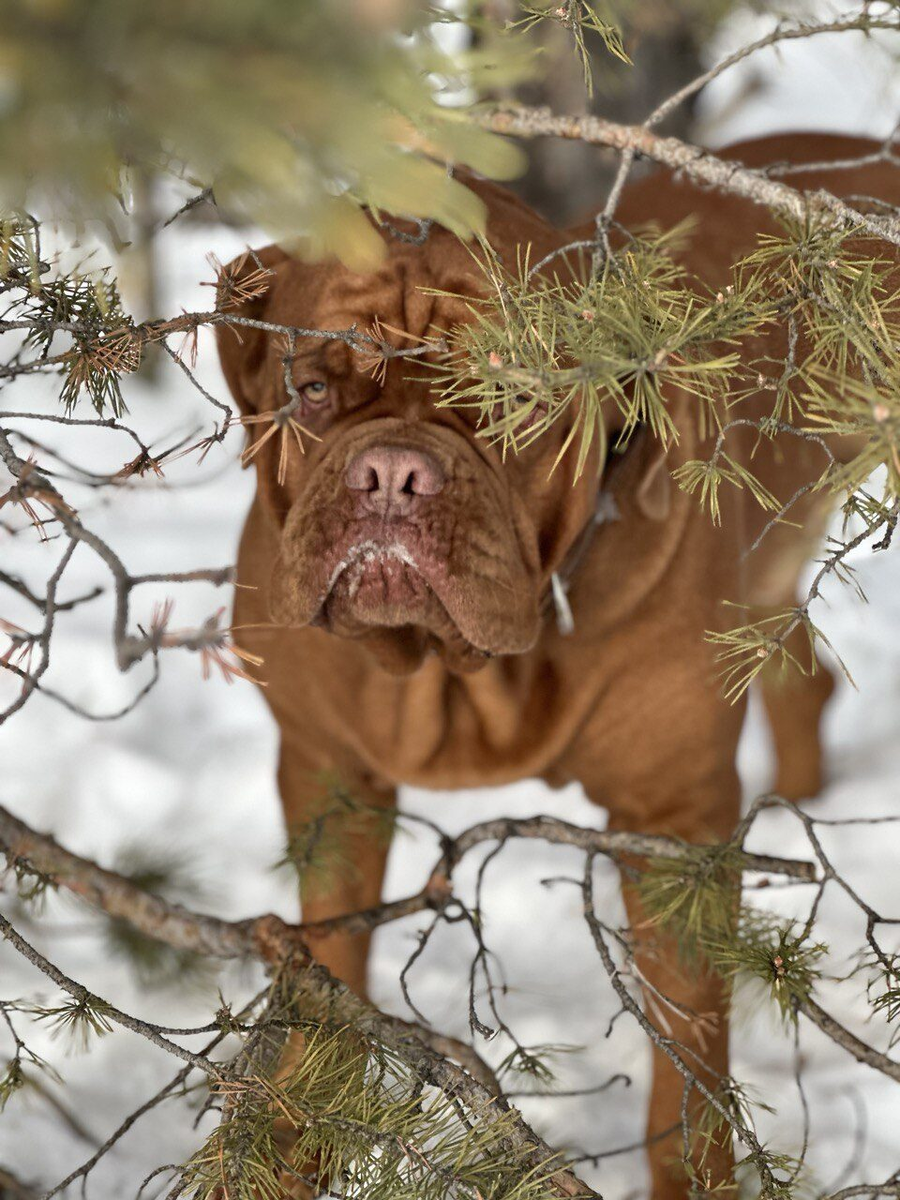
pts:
[314, 392]
[536, 412]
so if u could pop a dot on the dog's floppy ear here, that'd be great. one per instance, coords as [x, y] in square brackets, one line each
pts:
[244, 290]
[654, 491]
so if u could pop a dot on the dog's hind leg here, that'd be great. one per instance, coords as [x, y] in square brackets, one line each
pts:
[794, 693]
[795, 701]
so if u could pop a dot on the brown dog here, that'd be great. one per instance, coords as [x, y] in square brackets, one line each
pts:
[407, 570]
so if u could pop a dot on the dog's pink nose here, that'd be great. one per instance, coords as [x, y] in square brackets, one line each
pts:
[394, 478]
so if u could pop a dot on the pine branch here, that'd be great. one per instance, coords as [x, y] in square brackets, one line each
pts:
[409, 1043]
[90, 1003]
[273, 940]
[860, 1050]
[270, 938]
[700, 166]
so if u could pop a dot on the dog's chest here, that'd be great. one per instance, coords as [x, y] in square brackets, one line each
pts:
[508, 721]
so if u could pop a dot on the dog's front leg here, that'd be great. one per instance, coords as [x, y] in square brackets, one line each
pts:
[348, 837]
[342, 821]
[688, 1006]
[668, 768]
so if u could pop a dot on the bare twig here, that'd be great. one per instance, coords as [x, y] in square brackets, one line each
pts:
[700, 166]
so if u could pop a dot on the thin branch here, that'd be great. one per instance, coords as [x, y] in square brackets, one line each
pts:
[271, 938]
[700, 166]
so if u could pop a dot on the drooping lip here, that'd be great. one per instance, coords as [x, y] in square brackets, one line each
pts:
[348, 567]
[363, 554]
[425, 608]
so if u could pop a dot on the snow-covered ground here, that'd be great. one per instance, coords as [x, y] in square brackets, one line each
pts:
[193, 767]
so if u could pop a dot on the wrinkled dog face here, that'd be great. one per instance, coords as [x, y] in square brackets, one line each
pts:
[399, 525]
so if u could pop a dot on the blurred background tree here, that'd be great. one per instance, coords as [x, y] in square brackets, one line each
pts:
[295, 115]
[103, 99]
[666, 42]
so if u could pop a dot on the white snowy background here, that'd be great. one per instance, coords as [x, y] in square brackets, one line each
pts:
[192, 768]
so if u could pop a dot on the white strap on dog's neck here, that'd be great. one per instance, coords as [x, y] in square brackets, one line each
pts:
[565, 622]
[605, 511]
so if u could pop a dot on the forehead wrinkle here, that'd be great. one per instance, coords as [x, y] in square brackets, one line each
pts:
[393, 296]
[338, 357]
[418, 309]
[328, 355]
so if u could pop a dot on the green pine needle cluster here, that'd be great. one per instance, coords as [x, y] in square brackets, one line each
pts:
[321, 845]
[100, 346]
[365, 1125]
[694, 897]
[884, 992]
[557, 345]
[748, 650]
[533, 1063]
[156, 964]
[578, 17]
[80, 1018]
[31, 885]
[14, 1078]
[779, 956]
[541, 348]
[705, 478]
[11, 1081]
[842, 297]
[775, 1174]
[837, 300]
[696, 900]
